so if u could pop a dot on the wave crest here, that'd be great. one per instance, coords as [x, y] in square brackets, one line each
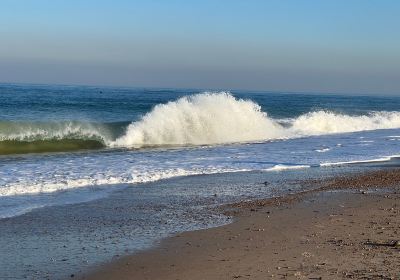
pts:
[33, 131]
[37, 137]
[323, 122]
[207, 118]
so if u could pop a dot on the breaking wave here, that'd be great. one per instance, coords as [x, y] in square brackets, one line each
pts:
[201, 119]
[215, 118]
[33, 137]
[208, 118]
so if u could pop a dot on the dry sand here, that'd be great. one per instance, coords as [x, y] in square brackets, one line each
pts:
[346, 234]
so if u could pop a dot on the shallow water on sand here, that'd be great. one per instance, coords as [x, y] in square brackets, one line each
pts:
[56, 242]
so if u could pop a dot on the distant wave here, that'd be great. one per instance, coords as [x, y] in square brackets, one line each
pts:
[201, 119]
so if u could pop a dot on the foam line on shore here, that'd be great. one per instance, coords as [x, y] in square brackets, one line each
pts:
[382, 159]
[282, 167]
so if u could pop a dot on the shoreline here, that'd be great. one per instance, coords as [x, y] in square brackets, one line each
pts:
[346, 228]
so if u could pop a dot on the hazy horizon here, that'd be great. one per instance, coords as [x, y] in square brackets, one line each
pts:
[291, 46]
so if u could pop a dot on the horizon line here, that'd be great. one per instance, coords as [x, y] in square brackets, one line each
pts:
[311, 92]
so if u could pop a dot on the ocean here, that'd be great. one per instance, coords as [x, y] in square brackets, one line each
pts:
[155, 160]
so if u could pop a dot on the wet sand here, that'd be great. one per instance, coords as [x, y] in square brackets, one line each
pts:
[348, 229]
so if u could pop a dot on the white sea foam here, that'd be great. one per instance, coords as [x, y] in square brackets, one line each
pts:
[138, 176]
[207, 118]
[323, 150]
[281, 167]
[322, 122]
[383, 159]
[213, 118]
[380, 159]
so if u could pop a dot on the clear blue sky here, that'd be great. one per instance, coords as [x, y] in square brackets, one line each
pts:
[286, 45]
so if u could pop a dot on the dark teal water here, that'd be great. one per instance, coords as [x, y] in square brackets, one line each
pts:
[106, 105]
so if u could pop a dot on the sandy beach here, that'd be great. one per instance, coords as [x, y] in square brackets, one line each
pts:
[348, 229]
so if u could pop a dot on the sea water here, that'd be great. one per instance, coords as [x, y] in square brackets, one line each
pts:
[57, 139]
[87, 173]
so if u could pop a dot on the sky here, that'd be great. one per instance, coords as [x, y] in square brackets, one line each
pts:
[340, 46]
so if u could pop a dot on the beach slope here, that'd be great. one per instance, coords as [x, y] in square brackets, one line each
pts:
[347, 234]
